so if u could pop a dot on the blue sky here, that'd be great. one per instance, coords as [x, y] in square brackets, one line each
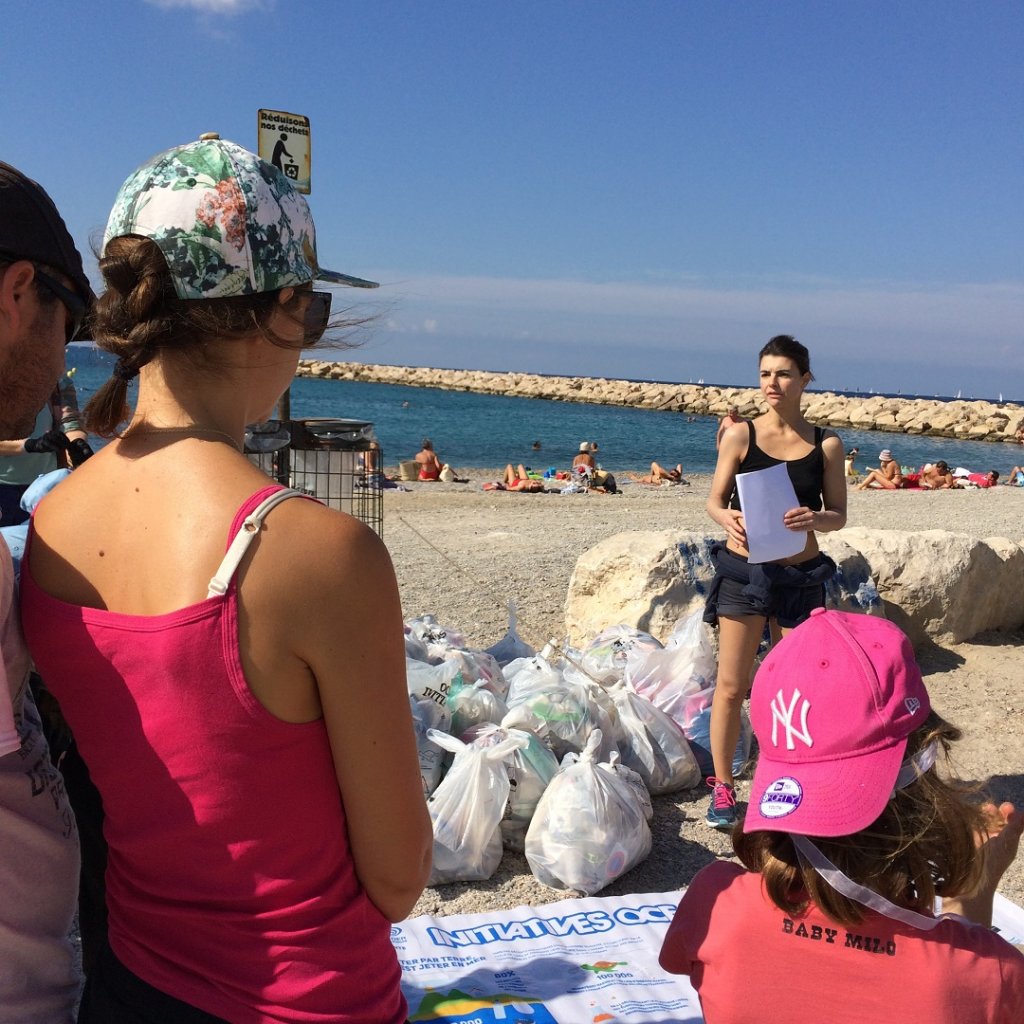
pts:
[641, 189]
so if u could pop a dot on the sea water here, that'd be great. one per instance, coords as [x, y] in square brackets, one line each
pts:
[473, 431]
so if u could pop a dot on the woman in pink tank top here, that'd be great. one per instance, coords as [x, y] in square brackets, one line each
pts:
[231, 662]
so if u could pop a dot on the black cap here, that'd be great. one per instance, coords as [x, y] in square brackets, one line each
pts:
[32, 229]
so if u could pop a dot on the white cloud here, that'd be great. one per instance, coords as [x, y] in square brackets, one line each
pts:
[986, 310]
[918, 336]
[216, 7]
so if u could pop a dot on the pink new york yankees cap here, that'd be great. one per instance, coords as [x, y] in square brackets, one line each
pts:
[832, 706]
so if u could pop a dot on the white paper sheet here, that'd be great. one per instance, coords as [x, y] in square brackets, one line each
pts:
[766, 495]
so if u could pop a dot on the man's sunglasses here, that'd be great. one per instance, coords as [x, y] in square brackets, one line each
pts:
[317, 315]
[76, 306]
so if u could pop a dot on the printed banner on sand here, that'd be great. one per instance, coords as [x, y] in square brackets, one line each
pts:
[580, 961]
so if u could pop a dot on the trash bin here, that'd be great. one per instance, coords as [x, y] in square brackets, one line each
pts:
[326, 459]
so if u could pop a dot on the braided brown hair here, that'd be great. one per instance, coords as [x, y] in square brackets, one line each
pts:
[139, 315]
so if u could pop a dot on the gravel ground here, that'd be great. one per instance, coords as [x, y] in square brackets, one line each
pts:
[461, 553]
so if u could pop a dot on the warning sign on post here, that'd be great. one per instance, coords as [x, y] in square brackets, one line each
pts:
[284, 142]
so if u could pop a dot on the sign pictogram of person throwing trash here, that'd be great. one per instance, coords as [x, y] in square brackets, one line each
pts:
[284, 142]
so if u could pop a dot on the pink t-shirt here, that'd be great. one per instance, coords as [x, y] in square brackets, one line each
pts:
[230, 881]
[750, 962]
[39, 858]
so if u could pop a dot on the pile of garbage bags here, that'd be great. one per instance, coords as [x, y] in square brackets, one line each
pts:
[556, 754]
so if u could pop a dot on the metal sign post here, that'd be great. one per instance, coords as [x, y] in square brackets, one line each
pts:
[283, 140]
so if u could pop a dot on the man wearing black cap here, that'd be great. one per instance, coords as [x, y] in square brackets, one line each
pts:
[44, 296]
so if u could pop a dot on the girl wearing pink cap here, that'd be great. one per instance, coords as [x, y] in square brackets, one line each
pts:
[850, 835]
[744, 595]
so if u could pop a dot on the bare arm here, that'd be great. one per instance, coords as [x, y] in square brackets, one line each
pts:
[350, 636]
[833, 491]
[730, 455]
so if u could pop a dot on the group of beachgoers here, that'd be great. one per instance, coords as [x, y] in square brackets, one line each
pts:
[239, 815]
[583, 475]
[937, 476]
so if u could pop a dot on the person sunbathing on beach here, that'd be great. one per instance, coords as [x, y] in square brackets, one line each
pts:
[430, 465]
[585, 458]
[851, 455]
[938, 477]
[659, 475]
[1016, 477]
[516, 479]
[888, 478]
[519, 479]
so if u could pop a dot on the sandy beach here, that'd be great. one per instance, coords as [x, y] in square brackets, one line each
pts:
[461, 553]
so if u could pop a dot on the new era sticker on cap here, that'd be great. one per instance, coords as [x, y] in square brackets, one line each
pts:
[782, 797]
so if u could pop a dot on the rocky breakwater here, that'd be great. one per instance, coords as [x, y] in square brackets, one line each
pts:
[963, 420]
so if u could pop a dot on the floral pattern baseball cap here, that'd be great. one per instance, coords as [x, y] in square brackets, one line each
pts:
[227, 222]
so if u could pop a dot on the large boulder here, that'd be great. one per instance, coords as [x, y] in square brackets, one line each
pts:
[933, 584]
[644, 579]
[940, 585]
[652, 579]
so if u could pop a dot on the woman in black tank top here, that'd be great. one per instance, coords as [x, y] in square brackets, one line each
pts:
[743, 595]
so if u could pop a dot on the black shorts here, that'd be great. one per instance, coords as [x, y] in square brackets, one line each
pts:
[789, 603]
[801, 602]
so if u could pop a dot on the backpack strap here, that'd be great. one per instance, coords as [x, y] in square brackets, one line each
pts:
[246, 534]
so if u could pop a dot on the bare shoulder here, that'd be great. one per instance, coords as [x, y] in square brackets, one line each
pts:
[314, 543]
[737, 433]
[832, 444]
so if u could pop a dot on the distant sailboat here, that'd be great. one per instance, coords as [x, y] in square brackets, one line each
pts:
[959, 394]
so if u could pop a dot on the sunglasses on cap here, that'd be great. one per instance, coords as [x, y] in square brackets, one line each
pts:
[76, 306]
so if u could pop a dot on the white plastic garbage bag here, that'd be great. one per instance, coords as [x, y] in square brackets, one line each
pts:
[473, 704]
[511, 645]
[432, 681]
[653, 745]
[530, 770]
[604, 658]
[670, 676]
[526, 675]
[466, 810]
[630, 778]
[436, 637]
[415, 648]
[427, 715]
[561, 714]
[589, 827]
[479, 666]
